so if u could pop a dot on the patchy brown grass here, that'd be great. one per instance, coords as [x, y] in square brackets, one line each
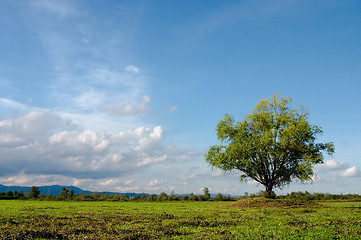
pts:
[262, 202]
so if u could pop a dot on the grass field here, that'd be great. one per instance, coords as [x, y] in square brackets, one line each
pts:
[176, 220]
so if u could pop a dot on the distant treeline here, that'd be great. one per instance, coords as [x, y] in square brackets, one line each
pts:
[307, 196]
[69, 195]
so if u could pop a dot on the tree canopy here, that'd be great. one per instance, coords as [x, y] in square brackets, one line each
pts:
[273, 145]
[34, 192]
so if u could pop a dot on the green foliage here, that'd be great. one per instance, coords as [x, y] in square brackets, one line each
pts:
[320, 196]
[34, 192]
[162, 197]
[185, 197]
[193, 197]
[143, 197]
[273, 145]
[66, 194]
[152, 197]
[206, 195]
[218, 197]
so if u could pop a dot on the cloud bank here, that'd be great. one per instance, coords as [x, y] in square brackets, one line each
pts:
[41, 142]
[338, 169]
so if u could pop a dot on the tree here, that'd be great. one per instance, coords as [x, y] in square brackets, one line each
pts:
[34, 192]
[64, 193]
[143, 197]
[9, 193]
[152, 197]
[273, 145]
[185, 197]
[218, 197]
[193, 197]
[206, 194]
[71, 194]
[162, 197]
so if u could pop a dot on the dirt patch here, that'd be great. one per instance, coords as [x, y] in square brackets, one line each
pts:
[277, 203]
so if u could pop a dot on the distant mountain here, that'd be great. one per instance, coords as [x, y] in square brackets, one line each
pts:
[56, 190]
[46, 190]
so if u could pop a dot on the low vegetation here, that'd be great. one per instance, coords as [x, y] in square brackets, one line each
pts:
[68, 195]
[178, 220]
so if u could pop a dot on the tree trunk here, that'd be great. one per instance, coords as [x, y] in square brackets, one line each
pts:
[269, 191]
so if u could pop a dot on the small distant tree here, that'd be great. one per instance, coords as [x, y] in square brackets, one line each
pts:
[152, 197]
[64, 193]
[94, 196]
[124, 198]
[16, 193]
[201, 198]
[162, 197]
[143, 197]
[206, 194]
[9, 193]
[34, 192]
[173, 197]
[193, 197]
[273, 145]
[185, 197]
[218, 197]
[136, 198]
[71, 194]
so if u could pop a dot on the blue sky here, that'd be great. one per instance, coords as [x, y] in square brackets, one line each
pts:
[125, 95]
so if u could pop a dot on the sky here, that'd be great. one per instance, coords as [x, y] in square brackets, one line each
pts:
[125, 96]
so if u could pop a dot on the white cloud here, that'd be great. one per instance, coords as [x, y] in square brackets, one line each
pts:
[217, 173]
[331, 165]
[338, 169]
[315, 178]
[105, 76]
[148, 160]
[350, 172]
[7, 103]
[32, 126]
[10, 108]
[60, 8]
[41, 142]
[77, 68]
[129, 182]
[172, 109]
[252, 182]
[154, 182]
[232, 13]
[132, 69]
[23, 179]
[41, 148]
[128, 109]
[89, 100]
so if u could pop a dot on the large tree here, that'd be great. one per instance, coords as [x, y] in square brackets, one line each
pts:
[273, 145]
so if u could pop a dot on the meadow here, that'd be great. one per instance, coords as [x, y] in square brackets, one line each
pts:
[178, 220]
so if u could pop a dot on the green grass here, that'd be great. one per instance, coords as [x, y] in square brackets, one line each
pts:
[176, 220]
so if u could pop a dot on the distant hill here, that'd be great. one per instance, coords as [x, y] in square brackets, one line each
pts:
[56, 190]
[46, 190]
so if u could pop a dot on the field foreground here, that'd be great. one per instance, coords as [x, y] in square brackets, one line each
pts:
[178, 220]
